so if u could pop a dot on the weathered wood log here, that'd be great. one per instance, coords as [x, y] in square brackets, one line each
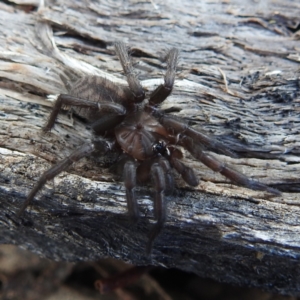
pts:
[238, 79]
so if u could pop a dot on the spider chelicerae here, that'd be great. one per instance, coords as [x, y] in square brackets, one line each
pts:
[147, 141]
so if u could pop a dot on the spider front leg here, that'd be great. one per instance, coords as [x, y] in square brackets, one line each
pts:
[134, 84]
[129, 175]
[126, 168]
[160, 172]
[164, 90]
[84, 150]
[69, 100]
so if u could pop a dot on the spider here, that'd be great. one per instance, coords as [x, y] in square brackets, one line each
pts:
[147, 141]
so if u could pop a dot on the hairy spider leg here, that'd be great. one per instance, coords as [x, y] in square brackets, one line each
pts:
[187, 173]
[176, 126]
[129, 175]
[165, 89]
[169, 178]
[126, 166]
[134, 84]
[68, 100]
[159, 180]
[160, 170]
[193, 141]
[85, 150]
[174, 156]
[222, 168]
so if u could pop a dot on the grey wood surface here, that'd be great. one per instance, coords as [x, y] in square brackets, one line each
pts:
[238, 79]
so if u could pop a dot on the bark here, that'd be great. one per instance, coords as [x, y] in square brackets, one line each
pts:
[238, 79]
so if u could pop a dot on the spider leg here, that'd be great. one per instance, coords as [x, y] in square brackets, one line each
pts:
[164, 90]
[169, 179]
[68, 100]
[129, 175]
[176, 126]
[85, 150]
[174, 156]
[106, 123]
[160, 183]
[134, 84]
[186, 172]
[144, 171]
[222, 168]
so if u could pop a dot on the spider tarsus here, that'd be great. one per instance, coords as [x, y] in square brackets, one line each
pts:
[32, 194]
[155, 231]
[274, 191]
[23, 208]
[172, 60]
[255, 185]
[149, 245]
[159, 181]
[46, 129]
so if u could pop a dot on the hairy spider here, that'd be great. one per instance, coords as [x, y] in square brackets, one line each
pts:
[147, 140]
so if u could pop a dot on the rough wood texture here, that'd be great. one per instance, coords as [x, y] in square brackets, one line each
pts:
[238, 78]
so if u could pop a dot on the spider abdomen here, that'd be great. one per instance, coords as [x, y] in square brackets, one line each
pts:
[97, 89]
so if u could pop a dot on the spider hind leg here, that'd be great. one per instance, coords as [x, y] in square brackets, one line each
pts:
[69, 100]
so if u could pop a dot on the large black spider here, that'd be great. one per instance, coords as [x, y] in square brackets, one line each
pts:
[147, 140]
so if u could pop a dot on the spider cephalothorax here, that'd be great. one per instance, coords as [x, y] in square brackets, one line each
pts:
[147, 141]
